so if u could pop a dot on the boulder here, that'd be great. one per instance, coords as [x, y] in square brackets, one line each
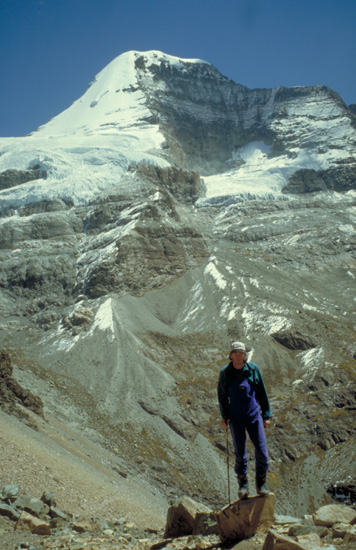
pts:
[34, 506]
[10, 491]
[86, 526]
[275, 541]
[302, 530]
[27, 522]
[56, 513]
[9, 511]
[344, 531]
[243, 518]
[334, 513]
[310, 541]
[49, 499]
[182, 515]
[285, 520]
[205, 524]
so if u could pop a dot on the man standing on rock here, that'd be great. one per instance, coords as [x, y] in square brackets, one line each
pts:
[244, 407]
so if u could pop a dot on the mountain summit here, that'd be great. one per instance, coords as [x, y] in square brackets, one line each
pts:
[166, 213]
[168, 111]
[118, 98]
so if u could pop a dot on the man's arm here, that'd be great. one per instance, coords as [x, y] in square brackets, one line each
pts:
[262, 398]
[223, 396]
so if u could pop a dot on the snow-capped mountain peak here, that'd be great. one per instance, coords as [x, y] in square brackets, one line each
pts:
[114, 101]
[158, 109]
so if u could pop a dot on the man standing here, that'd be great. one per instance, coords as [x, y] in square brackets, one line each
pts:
[245, 408]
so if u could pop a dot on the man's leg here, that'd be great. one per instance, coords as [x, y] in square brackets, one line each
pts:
[238, 434]
[256, 432]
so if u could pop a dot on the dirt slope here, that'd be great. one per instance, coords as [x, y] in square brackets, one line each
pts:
[55, 458]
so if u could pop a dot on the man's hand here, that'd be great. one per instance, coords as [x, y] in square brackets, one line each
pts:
[225, 424]
[266, 423]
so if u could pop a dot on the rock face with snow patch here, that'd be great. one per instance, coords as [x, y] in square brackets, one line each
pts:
[173, 212]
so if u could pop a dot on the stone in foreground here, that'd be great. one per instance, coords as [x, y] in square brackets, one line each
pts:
[334, 513]
[243, 518]
[28, 522]
[275, 541]
[182, 515]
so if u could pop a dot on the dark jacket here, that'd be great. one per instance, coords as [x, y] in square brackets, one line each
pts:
[250, 371]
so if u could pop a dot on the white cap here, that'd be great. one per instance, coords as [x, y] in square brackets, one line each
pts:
[239, 346]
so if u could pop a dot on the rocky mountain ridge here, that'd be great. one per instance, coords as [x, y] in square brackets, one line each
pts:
[166, 213]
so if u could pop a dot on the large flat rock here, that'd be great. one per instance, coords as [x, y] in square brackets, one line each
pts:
[243, 518]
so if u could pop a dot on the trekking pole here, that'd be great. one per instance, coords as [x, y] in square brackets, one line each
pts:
[227, 464]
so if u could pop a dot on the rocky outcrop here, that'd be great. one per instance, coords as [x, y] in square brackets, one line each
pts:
[334, 513]
[157, 245]
[205, 116]
[38, 227]
[313, 181]
[184, 185]
[12, 178]
[14, 399]
[294, 340]
[343, 492]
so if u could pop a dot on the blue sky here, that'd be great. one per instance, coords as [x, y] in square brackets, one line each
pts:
[50, 50]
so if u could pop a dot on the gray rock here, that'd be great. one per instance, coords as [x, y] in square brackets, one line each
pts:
[9, 491]
[86, 526]
[280, 519]
[344, 531]
[56, 513]
[309, 540]
[301, 530]
[34, 506]
[9, 511]
[312, 181]
[276, 541]
[334, 513]
[48, 498]
[12, 178]
[294, 340]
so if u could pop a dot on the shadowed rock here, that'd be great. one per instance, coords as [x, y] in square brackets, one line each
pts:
[243, 518]
[182, 516]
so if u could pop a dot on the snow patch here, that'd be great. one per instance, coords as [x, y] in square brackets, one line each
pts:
[104, 318]
[312, 358]
[212, 270]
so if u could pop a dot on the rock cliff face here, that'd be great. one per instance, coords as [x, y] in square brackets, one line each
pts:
[173, 212]
[205, 116]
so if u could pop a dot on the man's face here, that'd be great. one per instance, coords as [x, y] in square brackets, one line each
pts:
[238, 359]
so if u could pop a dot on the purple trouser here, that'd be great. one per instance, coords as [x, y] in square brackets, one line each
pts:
[254, 428]
[245, 417]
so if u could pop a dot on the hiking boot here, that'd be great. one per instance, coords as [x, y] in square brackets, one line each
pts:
[261, 487]
[243, 486]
